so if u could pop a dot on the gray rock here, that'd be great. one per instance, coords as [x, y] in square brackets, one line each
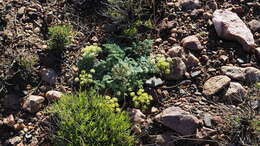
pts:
[252, 74]
[49, 75]
[254, 25]
[154, 82]
[179, 120]
[53, 95]
[33, 103]
[176, 51]
[189, 4]
[207, 118]
[234, 72]
[178, 69]
[215, 84]
[229, 26]
[235, 92]
[192, 43]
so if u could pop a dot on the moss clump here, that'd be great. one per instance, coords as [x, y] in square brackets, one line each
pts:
[87, 119]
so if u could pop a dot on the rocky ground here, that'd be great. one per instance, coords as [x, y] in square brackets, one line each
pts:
[213, 82]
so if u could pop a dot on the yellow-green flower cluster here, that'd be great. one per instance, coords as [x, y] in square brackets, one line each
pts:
[141, 99]
[112, 103]
[85, 78]
[163, 64]
[258, 85]
[91, 50]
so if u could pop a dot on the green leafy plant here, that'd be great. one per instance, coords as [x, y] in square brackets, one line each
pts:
[87, 119]
[60, 36]
[141, 99]
[162, 64]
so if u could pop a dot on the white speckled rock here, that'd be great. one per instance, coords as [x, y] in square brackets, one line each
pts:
[229, 26]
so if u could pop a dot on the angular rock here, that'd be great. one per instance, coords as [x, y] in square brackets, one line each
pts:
[33, 103]
[9, 121]
[192, 61]
[215, 84]
[235, 92]
[252, 74]
[49, 75]
[254, 25]
[176, 51]
[53, 95]
[229, 26]
[189, 4]
[234, 72]
[191, 42]
[179, 120]
[154, 82]
[178, 69]
[207, 118]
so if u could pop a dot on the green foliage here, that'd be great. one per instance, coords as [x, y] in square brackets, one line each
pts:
[163, 64]
[87, 119]
[60, 36]
[132, 31]
[122, 69]
[141, 99]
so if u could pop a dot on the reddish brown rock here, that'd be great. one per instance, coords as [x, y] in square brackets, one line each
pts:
[179, 120]
[229, 26]
[191, 42]
[215, 84]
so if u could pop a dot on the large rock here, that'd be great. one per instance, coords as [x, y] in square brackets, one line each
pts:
[215, 84]
[235, 92]
[191, 42]
[179, 120]
[229, 26]
[178, 69]
[248, 74]
[33, 103]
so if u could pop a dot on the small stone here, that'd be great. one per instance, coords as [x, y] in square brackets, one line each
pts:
[217, 120]
[154, 82]
[13, 141]
[179, 120]
[137, 116]
[192, 61]
[158, 40]
[235, 92]
[33, 103]
[176, 51]
[53, 95]
[189, 4]
[234, 72]
[18, 126]
[254, 25]
[164, 139]
[195, 74]
[223, 58]
[178, 69]
[252, 74]
[229, 26]
[9, 121]
[207, 120]
[21, 11]
[240, 61]
[49, 76]
[154, 109]
[215, 84]
[192, 43]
